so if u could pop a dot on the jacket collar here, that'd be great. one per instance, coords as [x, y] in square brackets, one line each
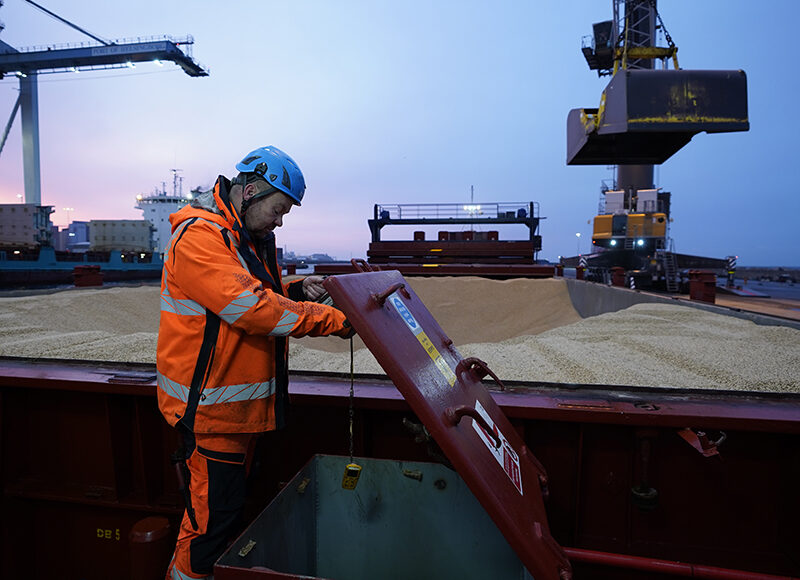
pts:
[216, 206]
[222, 199]
[217, 203]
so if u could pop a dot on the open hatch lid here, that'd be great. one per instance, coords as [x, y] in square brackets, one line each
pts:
[446, 393]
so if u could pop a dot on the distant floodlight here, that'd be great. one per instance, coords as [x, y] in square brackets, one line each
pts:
[613, 242]
[21, 75]
[129, 64]
[640, 242]
[472, 209]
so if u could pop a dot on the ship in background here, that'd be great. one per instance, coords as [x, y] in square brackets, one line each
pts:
[157, 207]
[34, 252]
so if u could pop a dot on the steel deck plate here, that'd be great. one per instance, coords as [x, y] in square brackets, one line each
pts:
[446, 393]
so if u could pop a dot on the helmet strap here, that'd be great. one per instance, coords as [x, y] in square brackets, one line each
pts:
[246, 203]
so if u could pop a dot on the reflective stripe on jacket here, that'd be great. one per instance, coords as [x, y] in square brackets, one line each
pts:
[225, 317]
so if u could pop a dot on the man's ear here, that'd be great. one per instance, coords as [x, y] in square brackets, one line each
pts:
[248, 190]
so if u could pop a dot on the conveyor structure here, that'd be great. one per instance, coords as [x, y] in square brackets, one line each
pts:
[475, 248]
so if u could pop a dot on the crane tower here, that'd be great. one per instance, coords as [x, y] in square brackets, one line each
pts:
[100, 54]
[647, 112]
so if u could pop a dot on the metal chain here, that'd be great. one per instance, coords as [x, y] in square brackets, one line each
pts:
[661, 24]
[352, 397]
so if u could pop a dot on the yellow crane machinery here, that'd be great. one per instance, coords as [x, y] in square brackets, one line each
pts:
[647, 112]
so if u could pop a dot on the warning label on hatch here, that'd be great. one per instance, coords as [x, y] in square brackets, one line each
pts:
[423, 339]
[505, 454]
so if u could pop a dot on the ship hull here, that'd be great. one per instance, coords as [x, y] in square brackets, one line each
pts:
[48, 267]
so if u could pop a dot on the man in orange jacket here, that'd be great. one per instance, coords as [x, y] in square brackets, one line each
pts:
[226, 315]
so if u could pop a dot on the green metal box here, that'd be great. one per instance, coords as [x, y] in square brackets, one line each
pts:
[403, 520]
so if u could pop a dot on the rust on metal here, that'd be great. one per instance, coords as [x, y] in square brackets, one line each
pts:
[701, 441]
[380, 297]
[476, 365]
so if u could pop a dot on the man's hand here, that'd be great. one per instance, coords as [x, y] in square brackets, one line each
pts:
[312, 286]
[347, 330]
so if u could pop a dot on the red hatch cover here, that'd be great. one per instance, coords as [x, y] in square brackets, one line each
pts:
[446, 393]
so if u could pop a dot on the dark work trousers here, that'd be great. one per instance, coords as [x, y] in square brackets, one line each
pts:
[218, 467]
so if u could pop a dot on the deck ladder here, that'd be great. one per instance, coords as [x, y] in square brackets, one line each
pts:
[670, 269]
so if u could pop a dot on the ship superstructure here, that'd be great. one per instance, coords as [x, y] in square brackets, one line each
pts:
[157, 208]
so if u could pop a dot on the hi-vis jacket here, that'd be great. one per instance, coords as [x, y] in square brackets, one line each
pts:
[225, 318]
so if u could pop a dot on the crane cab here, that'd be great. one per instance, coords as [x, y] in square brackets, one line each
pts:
[632, 220]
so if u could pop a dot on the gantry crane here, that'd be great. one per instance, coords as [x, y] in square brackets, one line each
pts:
[646, 114]
[97, 55]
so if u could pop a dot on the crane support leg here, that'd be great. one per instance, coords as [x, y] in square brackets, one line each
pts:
[8, 125]
[29, 100]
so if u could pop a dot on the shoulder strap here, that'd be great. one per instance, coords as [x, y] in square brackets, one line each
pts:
[202, 367]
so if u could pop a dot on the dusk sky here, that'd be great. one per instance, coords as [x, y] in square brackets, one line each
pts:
[404, 102]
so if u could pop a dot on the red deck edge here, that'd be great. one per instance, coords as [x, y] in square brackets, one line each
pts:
[767, 412]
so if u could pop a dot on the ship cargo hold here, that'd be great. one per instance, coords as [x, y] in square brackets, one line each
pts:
[633, 480]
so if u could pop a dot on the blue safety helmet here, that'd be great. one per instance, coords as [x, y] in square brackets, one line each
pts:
[277, 169]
